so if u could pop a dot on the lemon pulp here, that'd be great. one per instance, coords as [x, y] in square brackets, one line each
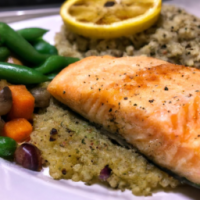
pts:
[109, 18]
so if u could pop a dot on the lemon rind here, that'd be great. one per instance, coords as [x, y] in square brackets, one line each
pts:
[116, 29]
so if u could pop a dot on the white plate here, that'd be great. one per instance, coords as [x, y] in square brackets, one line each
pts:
[17, 183]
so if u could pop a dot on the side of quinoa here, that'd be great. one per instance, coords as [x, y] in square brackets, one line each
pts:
[77, 150]
[174, 38]
[80, 151]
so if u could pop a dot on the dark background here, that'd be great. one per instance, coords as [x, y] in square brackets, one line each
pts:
[15, 4]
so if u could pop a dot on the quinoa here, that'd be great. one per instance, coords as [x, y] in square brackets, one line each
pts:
[174, 38]
[75, 149]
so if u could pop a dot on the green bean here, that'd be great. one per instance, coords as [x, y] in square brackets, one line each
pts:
[55, 63]
[44, 47]
[52, 75]
[20, 74]
[31, 34]
[4, 53]
[18, 45]
[7, 147]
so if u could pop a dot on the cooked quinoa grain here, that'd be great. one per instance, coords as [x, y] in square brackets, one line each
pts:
[174, 38]
[80, 152]
[73, 148]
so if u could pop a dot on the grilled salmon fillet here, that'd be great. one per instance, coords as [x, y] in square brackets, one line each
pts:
[152, 104]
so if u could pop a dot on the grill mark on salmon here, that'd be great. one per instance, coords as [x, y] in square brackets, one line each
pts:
[152, 104]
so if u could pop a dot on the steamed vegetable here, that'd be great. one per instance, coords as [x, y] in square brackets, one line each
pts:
[44, 47]
[2, 123]
[25, 75]
[23, 103]
[40, 55]
[105, 173]
[55, 63]
[31, 34]
[18, 45]
[42, 97]
[51, 76]
[18, 129]
[20, 74]
[7, 147]
[5, 100]
[29, 156]
[4, 53]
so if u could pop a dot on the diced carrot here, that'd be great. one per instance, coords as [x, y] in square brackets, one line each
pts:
[18, 129]
[23, 103]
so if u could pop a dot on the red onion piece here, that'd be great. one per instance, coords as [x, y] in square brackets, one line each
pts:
[29, 156]
[105, 173]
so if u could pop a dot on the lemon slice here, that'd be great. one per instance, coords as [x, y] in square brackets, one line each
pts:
[109, 18]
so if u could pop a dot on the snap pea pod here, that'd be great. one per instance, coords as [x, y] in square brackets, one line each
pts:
[31, 34]
[18, 45]
[20, 74]
[4, 53]
[44, 47]
[7, 147]
[55, 63]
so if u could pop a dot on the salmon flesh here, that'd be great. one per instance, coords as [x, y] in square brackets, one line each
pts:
[152, 104]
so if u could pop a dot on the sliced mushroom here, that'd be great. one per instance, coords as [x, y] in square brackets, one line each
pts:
[42, 97]
[5, 100]
[2, 123]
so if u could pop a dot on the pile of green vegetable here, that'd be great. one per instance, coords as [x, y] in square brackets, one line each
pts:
[42, 64]
[41, 58]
